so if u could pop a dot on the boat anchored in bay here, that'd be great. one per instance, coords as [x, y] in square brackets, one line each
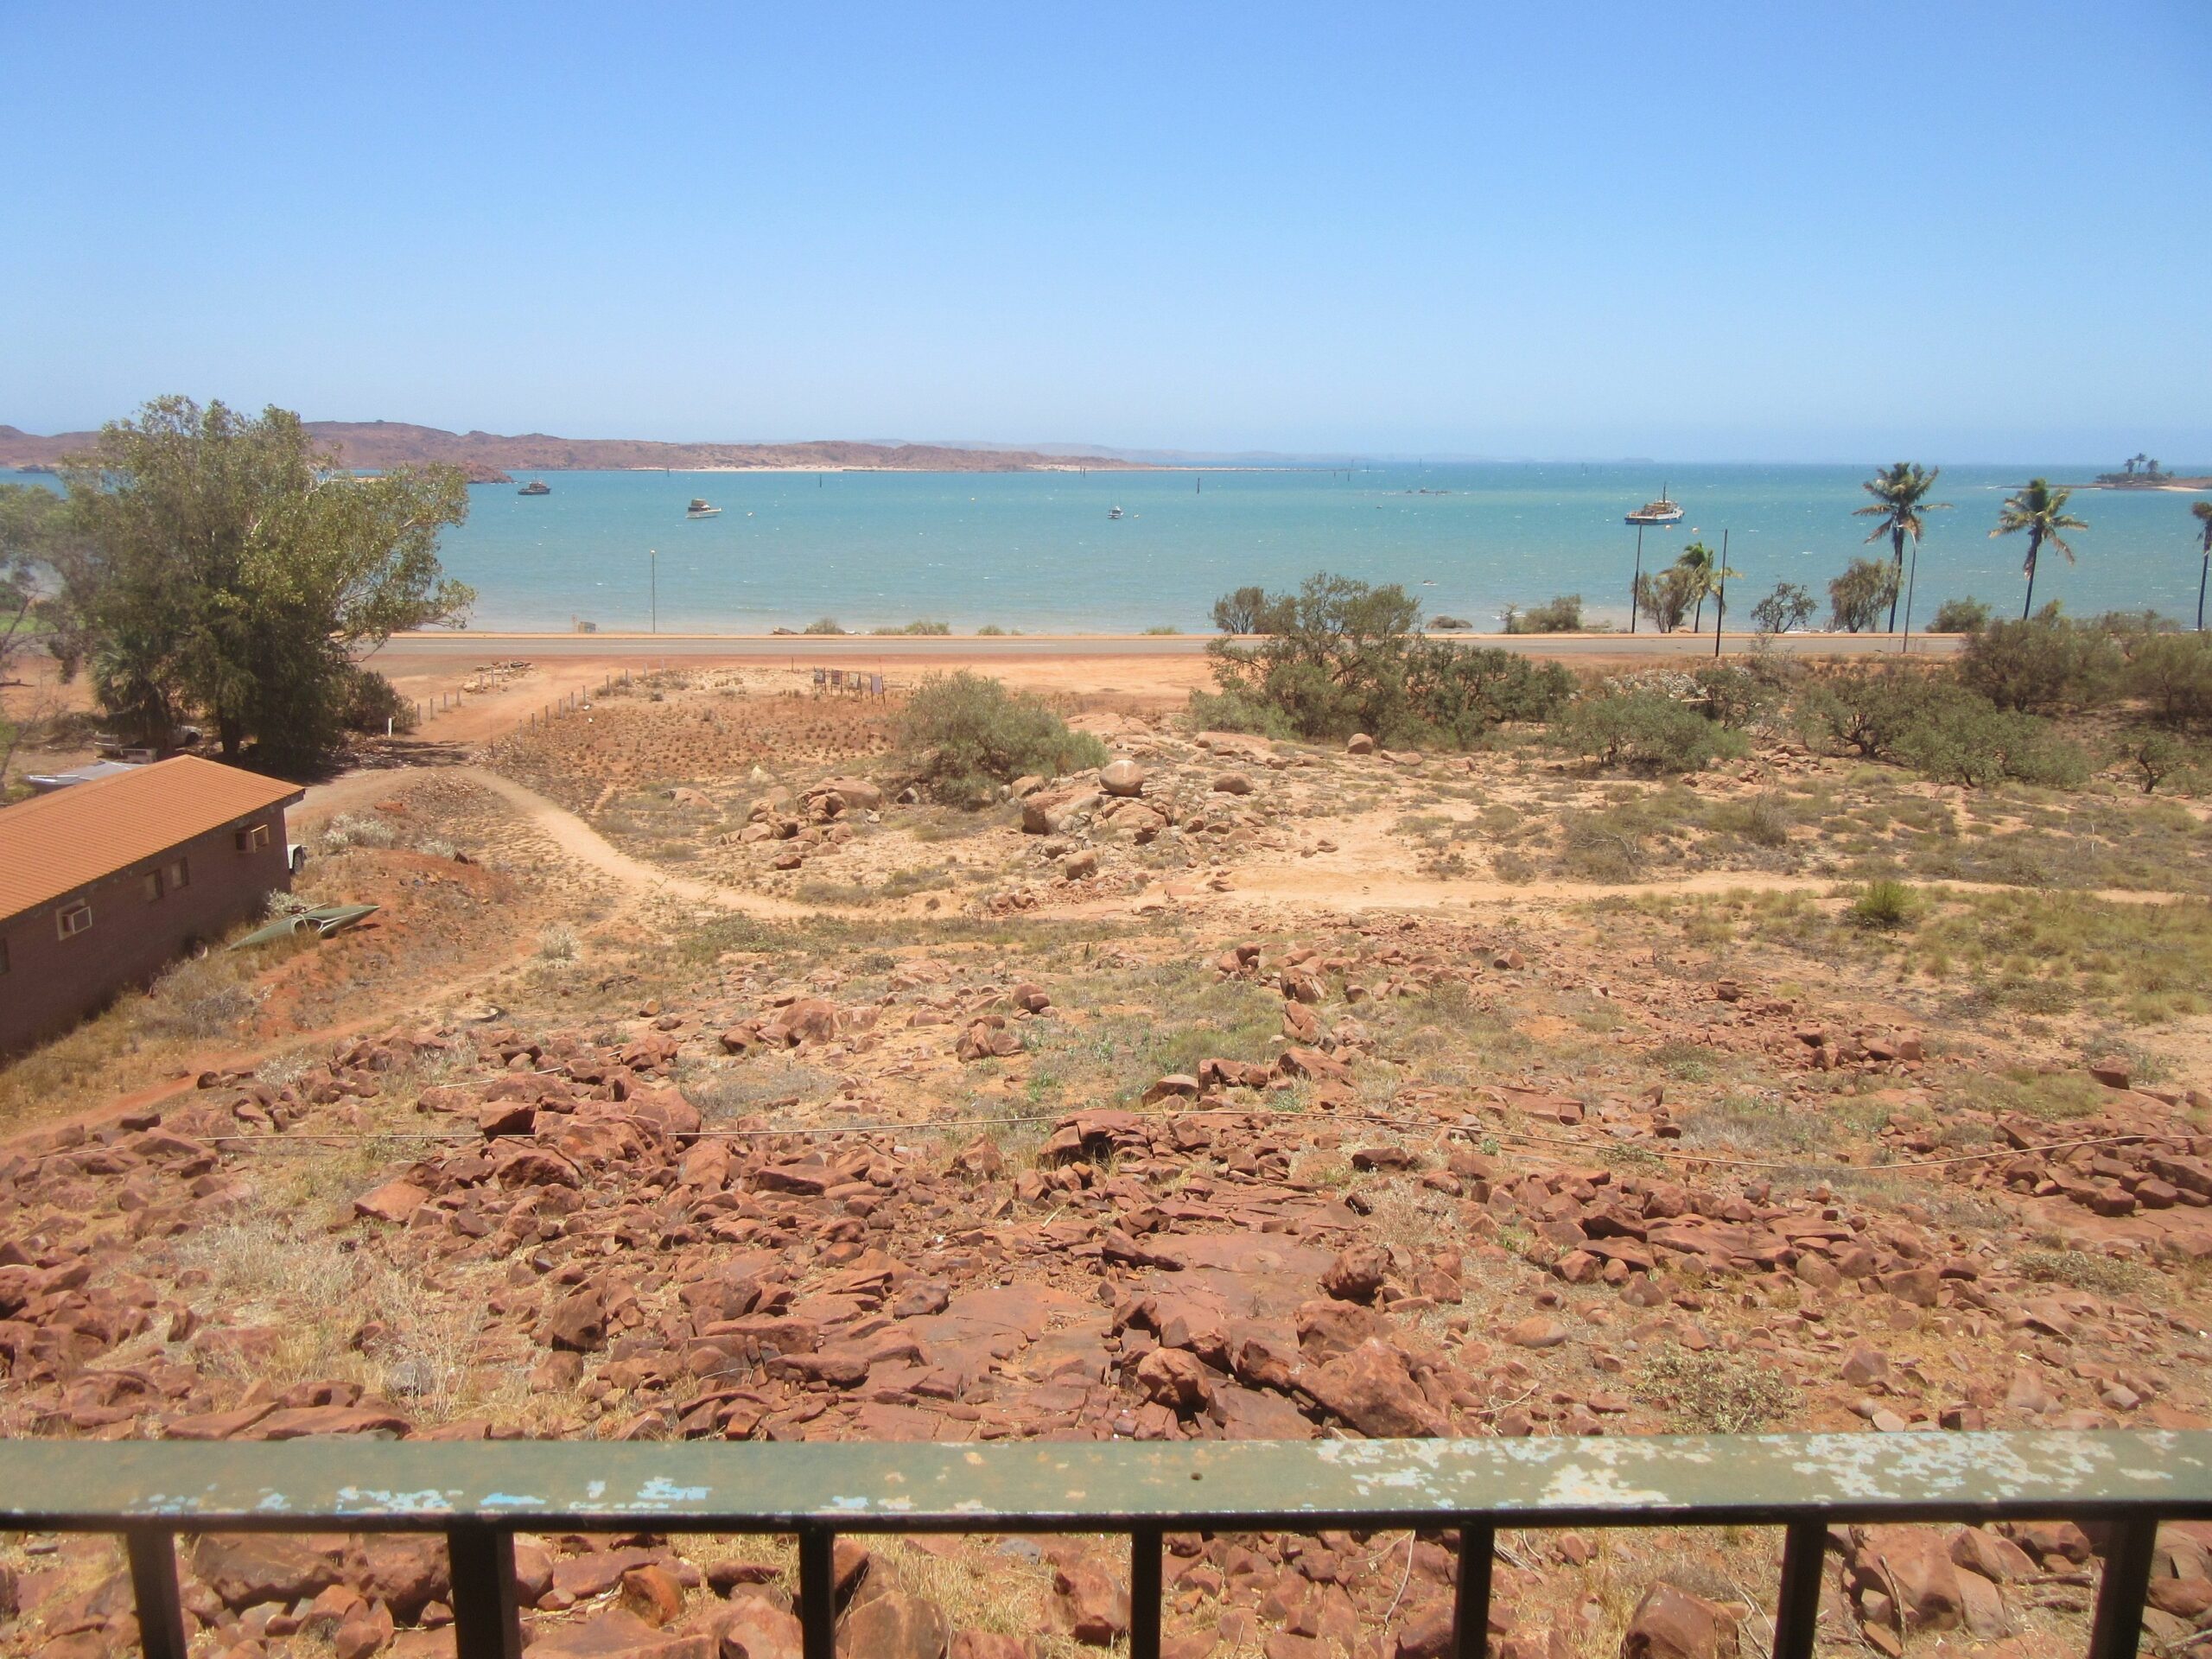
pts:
[1664, 510]
[699, 509]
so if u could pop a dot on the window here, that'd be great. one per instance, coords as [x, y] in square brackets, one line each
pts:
[72, 919]
[152, 883]
[253, 838]
[178, 874]
[3, 956]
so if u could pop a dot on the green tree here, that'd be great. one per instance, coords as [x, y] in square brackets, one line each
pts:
[1858, 596]
[2040, 511]
[1900, 495]
[232, 569]
[1249, 610]
[2204, 512]
[1787, 606]
[1665, 597]
[1697, 565]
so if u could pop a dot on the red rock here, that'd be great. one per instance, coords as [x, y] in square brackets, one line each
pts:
[404, 1571]
[1314, 1064]
[244, 1570]
[1537, 1330]
[1990, 1554]
[1916, 1566]
[577, 1322]
[2051, 1541]
[1173, 1378]
[1372, 1389]
[366, 1631]
[894, 1625]
[1865, 1365]
[301, 1422]
[651, 1593]
[1093, 1605]
[1672, 1623]
[985, 1644]
[616, 1634]
[395, 1201]
[1358, 1273]
[753, 1627]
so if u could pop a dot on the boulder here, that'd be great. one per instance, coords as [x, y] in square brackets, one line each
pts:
[753, 1627]
[617, 1634]
[577, 1322]
[894, 1625]
[1122, 778]
[1358, 1273]
[1233, 783]
[1672, 1623]
[1913, 1564]
[1359, 743]
[1174, 1378]
[244, 1570]
[1093, 1606]
[1373, 1389]
[395, 1201]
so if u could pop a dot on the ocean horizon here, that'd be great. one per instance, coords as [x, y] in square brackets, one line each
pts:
[1039, 552]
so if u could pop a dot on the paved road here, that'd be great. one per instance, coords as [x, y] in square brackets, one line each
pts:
[727, 647]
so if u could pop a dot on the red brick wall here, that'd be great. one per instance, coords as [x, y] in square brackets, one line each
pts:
[52, 982]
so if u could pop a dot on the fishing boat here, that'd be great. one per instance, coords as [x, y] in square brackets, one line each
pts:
[1113, 513]
[535, 487]
[1664, 510]
[699, 509]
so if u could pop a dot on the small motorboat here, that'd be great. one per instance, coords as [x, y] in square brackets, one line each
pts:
[1113, 513]
[317, 923]
[535, 487]
[699, 509]
[1664, 510]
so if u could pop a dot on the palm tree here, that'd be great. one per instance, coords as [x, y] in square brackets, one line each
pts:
[2203, 511]
[1696, 565]
[2041, 510]
[1900, 497]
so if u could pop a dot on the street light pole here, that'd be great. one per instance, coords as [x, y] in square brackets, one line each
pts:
[652, 554]
[1721, 598]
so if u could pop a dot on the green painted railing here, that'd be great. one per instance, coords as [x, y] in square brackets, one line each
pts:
[480, 1494]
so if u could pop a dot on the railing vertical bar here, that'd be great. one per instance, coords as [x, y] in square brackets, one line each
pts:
[153, 1581]
[1471, 1603]
[2119, 1630]
[818, 1592]
[1797, 1604]
[1144, 1592]
[486, 1619]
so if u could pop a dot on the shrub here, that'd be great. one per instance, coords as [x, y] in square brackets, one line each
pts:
[1885, 904]
[990, 630]
[1715, 1392]
[1231, 711]
[2043, 663]
[823, 625]
[2157, 756]
[1733, 696]
[1450, 623]
[930, 630]
[1642, 731]
[2172, 672]
[1970, 742]
[1869, 711]
[1666, 596]
[1787, 606]
[557, 942]
[1760, 820]
[1959, 616]
[1859, 599]
[348, 831]
[1161, 630]
[371, 700]
[1562, 614]
[969, 733]
[1344, 657]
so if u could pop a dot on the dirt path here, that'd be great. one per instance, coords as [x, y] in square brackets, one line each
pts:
[574, 837]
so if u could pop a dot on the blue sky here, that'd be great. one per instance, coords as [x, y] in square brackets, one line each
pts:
[1967, 231]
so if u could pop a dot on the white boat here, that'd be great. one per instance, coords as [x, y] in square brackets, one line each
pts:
[701, 510]
[1664, 510]
[1113, 513]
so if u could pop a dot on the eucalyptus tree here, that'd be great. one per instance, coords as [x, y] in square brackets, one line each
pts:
[231, 568]
[2039, 510]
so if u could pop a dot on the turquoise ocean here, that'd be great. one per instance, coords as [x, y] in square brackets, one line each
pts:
[1039, 552]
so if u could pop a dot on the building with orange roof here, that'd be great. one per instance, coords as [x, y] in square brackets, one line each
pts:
[106, 883]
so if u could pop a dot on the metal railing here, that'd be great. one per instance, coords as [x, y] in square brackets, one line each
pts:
[480, 1494]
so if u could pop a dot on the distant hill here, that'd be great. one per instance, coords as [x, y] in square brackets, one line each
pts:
[486, 457]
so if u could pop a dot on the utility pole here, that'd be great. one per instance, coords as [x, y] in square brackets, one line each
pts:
[1721, 598]
[1638, 581]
